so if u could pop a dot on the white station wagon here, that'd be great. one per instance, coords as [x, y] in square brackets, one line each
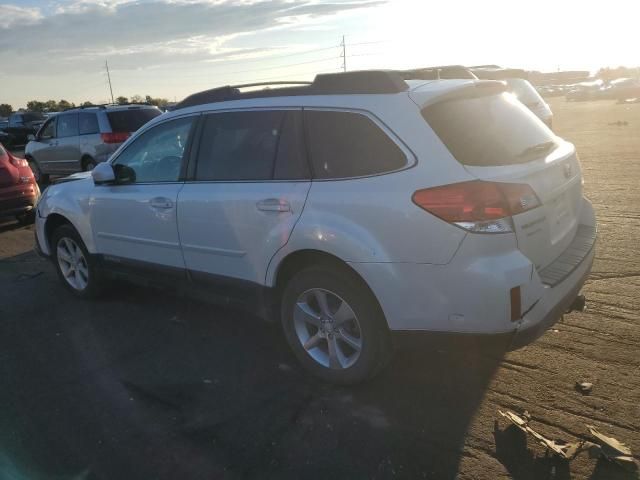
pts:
[361, 208]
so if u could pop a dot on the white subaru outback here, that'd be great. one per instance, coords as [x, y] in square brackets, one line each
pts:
[361, 207]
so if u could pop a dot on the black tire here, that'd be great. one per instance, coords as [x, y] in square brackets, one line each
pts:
[88, 164]
[372, 327]
[27, 218]
[94, 281]
[41, 178]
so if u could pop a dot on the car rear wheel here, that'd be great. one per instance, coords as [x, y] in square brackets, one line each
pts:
[88, 164]
[75, 266]
[334, 325]
[41, 178]
[26, 218]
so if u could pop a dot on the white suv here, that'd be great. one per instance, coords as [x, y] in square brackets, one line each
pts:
[362, 208]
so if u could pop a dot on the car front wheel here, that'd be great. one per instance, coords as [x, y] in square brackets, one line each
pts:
[75, 266]
[334, 325]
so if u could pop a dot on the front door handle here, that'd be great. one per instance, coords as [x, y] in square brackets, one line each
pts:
[162, 203]
[273, 205]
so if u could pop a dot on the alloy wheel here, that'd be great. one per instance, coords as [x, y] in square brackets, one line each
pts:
[72, 263]
[327, 328]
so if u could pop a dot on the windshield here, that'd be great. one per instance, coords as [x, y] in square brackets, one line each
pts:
[488, 130]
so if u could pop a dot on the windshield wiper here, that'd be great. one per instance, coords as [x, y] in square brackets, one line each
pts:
[540, 148]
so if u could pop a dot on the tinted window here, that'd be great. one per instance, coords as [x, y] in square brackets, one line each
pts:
[88, 123]
[489, 130]
[15, 120]
[131, 120]
[67, 125]
[48, 129]
[156, 155]
[251, 146]
[32, 117]
[343, 145]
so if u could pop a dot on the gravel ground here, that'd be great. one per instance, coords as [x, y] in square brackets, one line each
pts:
[144, 384]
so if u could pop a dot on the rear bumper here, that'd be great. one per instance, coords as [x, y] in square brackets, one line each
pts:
[17, 199]
[468, 299]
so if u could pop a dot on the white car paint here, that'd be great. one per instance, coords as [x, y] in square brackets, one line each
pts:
[427, 274]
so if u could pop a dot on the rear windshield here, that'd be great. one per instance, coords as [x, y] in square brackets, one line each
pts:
[131, 120]
[489, 130]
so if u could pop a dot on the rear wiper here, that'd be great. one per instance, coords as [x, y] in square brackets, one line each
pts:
[540, 148]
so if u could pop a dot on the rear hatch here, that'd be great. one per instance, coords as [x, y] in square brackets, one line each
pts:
[496, 138]
[9, 173]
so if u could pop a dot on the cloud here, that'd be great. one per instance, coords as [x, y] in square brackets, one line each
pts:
[139, 33]
[11, 15]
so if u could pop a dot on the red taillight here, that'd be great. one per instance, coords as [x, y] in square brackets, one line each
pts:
[477, 203]
[114, 137]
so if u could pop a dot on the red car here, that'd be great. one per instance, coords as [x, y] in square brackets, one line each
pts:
[19, 191]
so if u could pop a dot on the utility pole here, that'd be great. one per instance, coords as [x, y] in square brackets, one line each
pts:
[106, 65]
[344, 55]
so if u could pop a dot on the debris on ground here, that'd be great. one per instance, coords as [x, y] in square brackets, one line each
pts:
[584, 387]
[613, 450]
[606, 447]
[561, 448]
[284, 367]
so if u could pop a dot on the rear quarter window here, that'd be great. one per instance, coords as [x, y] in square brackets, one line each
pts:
[349, 144]
[131, 120]
[490, 130]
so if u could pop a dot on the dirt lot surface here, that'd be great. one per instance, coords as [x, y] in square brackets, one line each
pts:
[146, 385]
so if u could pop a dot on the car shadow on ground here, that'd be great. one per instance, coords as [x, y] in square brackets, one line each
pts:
[8, 224]
[144, 384]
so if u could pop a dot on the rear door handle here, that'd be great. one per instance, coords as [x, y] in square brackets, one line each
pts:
[273, 205]
[162, 203]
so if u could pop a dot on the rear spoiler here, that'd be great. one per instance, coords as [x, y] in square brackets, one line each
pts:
[478, 88]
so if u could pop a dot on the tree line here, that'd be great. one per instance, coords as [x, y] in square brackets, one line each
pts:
[61, 105]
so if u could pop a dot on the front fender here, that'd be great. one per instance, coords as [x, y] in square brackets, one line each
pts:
[71, 200]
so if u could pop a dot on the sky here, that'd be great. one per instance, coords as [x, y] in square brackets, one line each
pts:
[57, 49]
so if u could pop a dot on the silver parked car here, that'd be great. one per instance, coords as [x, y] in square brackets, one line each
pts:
[78, 139]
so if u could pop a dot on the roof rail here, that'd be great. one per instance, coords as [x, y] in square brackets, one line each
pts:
[357, 82]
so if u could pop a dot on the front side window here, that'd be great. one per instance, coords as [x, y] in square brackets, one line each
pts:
[345, 144]
[252, 146]
[156, 155]
[48, 129]
[88, 123]
[67, 125]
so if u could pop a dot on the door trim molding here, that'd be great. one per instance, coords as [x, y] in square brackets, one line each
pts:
[139, 240]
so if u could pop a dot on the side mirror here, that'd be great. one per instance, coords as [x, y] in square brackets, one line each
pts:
[31, 137]
[103, 173]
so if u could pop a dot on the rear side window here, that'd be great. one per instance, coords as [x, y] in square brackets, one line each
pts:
[67, 125]
[489, 130]
[344, 144]
[88, 123]
[255, 145]
[131, 120]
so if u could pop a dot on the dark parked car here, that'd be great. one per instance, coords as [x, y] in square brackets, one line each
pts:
[78, 139]
[23, 124]
[19, 191]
